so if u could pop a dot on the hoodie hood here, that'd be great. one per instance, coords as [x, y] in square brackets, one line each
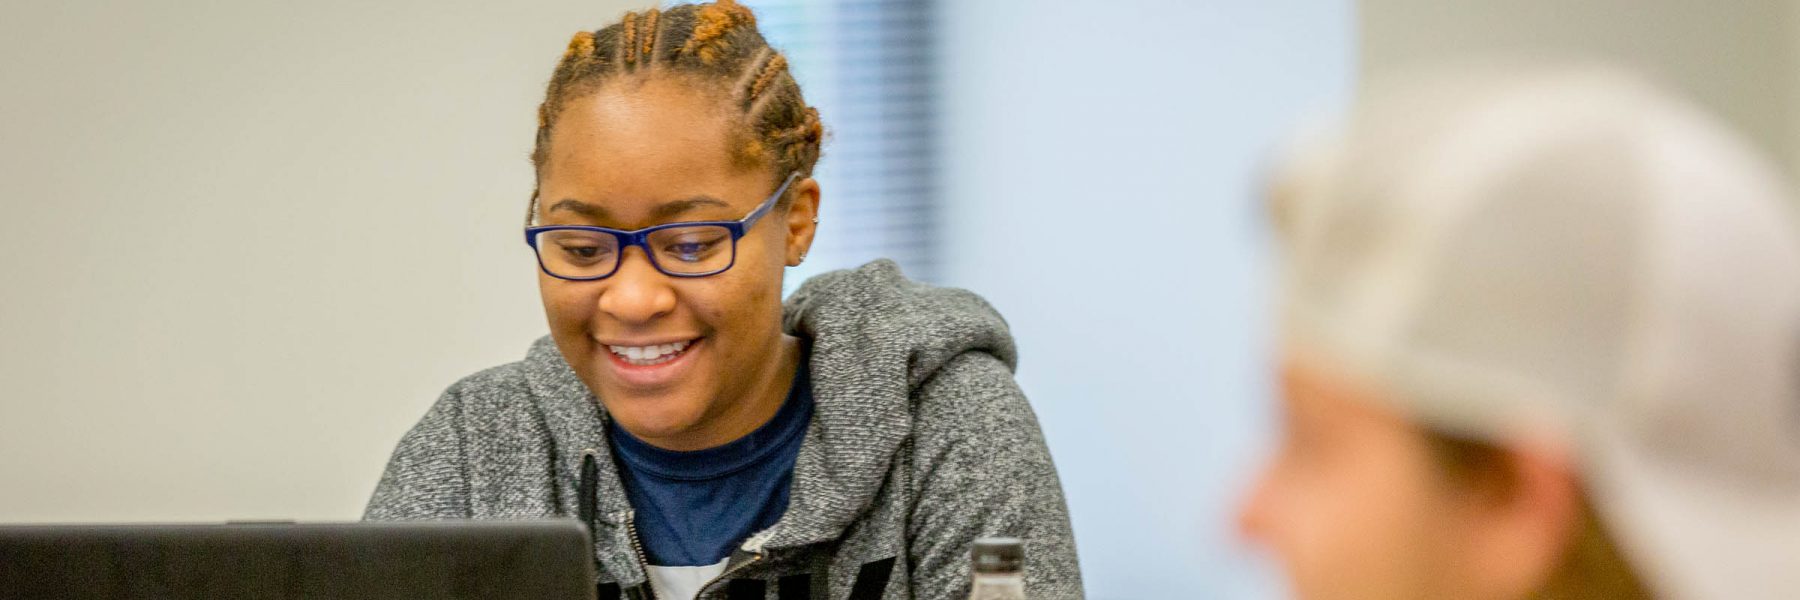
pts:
[875, 337]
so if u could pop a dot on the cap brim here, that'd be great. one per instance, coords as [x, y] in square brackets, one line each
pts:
[1690, 533]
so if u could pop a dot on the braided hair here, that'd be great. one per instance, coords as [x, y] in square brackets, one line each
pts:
[715, 45]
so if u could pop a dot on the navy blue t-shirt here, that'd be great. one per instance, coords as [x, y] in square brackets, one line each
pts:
[693, 508]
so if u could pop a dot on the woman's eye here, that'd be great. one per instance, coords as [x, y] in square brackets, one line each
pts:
[584, 253]
[692, 249]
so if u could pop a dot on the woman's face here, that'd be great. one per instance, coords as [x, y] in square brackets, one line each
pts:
[643, 152]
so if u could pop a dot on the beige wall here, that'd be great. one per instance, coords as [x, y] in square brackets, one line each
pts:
[1739, 57]
[246, 244]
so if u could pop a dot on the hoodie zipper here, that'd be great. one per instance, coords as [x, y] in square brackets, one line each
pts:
[732, 569]
[755, 547]
[637, 548]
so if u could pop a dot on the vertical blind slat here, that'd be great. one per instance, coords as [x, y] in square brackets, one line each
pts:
[869, 66]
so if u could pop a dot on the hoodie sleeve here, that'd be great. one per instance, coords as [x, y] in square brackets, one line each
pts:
[981, 468]
[425, 478]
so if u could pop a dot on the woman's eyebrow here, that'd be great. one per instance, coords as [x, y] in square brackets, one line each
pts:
[581, 208]
[674, 208]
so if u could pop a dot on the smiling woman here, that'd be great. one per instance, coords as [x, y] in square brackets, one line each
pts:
[853, 441]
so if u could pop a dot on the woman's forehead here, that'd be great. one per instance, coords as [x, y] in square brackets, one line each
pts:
[646, 128]
[630, 151]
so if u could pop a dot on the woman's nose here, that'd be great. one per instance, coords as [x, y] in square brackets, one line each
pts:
[637, 292]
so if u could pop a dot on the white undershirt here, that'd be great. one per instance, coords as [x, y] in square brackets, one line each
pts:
[683, 583]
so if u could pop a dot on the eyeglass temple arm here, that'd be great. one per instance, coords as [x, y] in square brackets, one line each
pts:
[769, 204]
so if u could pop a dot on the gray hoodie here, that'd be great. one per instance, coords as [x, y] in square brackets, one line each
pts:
[920, 443]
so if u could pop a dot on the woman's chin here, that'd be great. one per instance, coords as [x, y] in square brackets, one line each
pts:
[654, 426]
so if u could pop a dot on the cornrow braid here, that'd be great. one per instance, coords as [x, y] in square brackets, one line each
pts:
[717, 47]
[776, 66]
[628, 44]
[582, 46]
[649, 49]
[712, 24]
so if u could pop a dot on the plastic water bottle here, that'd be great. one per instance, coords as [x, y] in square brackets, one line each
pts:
[998, 569]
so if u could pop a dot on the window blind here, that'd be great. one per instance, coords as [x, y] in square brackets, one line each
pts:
[868, 65]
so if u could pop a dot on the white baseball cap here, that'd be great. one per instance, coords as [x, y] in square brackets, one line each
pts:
[1571, 250]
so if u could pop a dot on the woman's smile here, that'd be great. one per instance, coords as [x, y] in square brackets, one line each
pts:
[649, 365]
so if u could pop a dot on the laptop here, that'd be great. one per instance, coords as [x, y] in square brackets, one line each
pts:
[350, 561]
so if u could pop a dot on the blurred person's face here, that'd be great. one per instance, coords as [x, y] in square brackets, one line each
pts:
[1356, 505]
[641, 153]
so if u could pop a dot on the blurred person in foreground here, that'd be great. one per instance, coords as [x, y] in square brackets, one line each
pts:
[1540, 339]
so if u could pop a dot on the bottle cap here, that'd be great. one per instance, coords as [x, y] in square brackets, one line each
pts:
[998, 555]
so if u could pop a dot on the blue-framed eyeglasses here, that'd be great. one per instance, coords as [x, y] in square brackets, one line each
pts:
[686, 249]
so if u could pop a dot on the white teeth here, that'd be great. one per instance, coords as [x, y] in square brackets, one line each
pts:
[649, 355]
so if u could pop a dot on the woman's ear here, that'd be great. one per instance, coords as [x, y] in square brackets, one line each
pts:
[802, 220]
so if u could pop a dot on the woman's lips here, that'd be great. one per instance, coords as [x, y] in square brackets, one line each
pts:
[650, 365]
[645, 356]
